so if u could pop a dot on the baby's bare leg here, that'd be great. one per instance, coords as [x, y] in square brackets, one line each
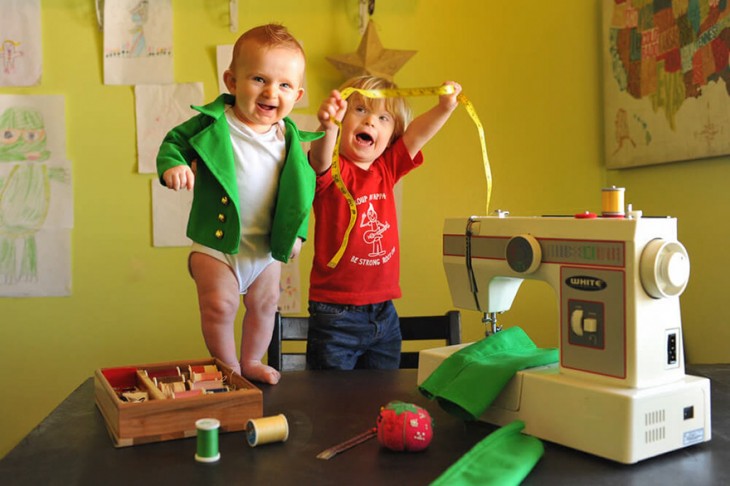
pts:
[218, 299]
[261, 302]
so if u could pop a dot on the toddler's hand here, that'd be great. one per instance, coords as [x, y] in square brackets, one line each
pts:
[331, 109]
[450, 101]
[296, 249]
[179, 177]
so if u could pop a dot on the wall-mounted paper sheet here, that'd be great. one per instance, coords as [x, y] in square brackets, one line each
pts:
[138, 42]
[170, 211]
[36, 197]
[223, 55]
[290, 299]
[161, 107]
[21, 52]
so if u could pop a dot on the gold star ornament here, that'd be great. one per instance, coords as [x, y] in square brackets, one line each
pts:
[371, 58]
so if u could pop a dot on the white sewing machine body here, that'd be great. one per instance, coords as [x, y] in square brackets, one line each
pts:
[620, 390]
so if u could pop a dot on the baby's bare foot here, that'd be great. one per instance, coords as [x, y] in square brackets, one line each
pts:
[257, 371]
[235, 367]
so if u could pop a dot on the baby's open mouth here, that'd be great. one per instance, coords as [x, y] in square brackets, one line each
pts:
[266, 107]
[364, 138]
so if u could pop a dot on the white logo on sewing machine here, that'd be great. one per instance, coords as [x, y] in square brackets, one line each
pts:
[581, 282]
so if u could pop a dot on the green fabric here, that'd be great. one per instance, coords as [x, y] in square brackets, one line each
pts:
[505, 457]
[468, 381]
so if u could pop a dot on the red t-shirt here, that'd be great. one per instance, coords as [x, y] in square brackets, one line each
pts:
[369, 270]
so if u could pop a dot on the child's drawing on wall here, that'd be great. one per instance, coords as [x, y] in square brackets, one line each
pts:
[35, 198]
[138, 42]
[23, 135]
[20, 42]
[139, 15]
[11, 50]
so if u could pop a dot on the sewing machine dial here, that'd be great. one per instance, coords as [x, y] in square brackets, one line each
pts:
[523, 254]
[664, 268]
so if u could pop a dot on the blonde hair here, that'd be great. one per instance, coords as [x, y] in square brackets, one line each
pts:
[267, 36]
[396, 106]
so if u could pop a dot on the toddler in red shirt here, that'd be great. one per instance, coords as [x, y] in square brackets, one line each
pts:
[353, 322]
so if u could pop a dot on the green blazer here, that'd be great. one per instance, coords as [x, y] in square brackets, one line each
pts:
[214, 217]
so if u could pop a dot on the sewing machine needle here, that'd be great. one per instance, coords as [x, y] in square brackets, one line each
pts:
[348, 444]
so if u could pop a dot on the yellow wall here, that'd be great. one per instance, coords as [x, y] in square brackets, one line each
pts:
[532, 69]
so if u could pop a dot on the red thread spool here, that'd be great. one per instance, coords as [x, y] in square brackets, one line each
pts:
[404, 427]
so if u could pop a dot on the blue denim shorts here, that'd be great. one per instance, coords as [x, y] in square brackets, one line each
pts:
[346, 337]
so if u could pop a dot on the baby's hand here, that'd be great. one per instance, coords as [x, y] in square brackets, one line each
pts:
[296, 250]
[179, 177]
[331, 109]
[450, 101]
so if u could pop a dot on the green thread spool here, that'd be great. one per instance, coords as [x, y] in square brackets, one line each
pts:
[207, 440]
[266, 430]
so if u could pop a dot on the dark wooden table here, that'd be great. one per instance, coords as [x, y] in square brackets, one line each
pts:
[71, 445]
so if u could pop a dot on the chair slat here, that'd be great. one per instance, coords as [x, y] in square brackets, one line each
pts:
[413, 328]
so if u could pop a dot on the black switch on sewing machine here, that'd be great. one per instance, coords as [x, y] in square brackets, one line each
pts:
[689, 412]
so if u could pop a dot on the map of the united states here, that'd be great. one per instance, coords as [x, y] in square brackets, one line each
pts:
[668, 50]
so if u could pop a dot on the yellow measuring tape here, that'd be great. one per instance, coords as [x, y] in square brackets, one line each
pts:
[393, 93]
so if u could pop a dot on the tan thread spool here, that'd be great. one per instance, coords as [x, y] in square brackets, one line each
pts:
[266, 430]
[612, 201]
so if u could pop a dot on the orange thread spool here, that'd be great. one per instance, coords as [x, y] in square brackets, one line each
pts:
[612, 201]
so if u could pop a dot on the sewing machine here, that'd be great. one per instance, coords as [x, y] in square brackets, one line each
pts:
[620, 390]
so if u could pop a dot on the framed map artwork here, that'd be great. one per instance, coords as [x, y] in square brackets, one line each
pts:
[666, 80]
